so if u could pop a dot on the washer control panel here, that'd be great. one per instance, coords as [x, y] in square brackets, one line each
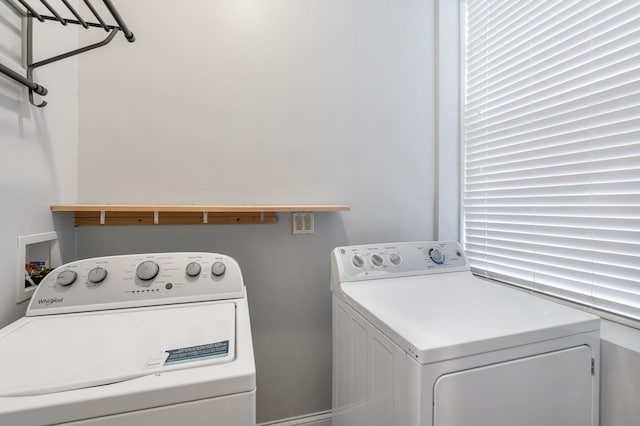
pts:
[137, 280]
[356, 263]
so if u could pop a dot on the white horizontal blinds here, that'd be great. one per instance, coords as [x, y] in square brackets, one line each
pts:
[551, 126]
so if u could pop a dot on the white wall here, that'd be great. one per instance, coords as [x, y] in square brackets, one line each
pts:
[448, 75]
[39, 150]
[248, 101]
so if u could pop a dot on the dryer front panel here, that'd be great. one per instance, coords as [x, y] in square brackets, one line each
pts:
[551, 389]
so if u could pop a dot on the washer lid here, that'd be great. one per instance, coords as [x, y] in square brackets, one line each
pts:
[452, 315]
[73, 351]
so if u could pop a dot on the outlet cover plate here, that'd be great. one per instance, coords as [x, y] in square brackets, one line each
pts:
[303, 223]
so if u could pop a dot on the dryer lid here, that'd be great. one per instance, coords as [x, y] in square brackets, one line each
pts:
[73, 351]
[451, 315]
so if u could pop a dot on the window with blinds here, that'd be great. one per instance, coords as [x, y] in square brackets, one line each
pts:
[551, 135]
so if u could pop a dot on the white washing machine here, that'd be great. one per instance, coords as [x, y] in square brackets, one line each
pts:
[149, 339]
[419, 341]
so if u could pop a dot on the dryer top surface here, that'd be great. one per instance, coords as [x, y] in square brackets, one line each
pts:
[452, 315]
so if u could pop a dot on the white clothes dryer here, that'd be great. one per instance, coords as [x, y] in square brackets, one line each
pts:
[419, 341]
[150, 339]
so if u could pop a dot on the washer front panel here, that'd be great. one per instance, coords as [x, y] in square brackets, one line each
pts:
[137, 280]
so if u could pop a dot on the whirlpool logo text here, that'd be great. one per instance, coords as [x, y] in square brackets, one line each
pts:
[50, 301]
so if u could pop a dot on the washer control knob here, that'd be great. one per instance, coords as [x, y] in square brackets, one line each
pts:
[357, 260]
[218, 269]
[193, 269]
[376, 259]
[437, 255]
[395, 258]
[97, 275]
[66, 277]
[147, 270]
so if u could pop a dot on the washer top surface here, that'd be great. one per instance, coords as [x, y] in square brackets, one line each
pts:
[451, 315]
[76, 351]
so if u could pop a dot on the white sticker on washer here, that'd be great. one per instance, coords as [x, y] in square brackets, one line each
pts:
[156, 360]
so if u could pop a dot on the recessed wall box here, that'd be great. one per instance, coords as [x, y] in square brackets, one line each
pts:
[35, 248]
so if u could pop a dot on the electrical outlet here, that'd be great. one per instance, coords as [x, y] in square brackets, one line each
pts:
[303, 223]
[308, 223]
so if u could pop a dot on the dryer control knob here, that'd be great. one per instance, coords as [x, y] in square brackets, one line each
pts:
[218, 269]
[376, 259]
[357, 260]
[395, 258]
[66, 277]
[437, 255]
[147, 270]
[193, 269]
[97, 275]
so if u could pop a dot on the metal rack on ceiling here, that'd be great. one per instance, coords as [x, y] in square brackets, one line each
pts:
[27, 10]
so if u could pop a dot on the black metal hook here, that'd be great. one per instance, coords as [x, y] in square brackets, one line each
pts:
[35, 87]
[32, 101]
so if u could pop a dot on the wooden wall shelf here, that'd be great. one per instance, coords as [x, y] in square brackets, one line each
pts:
[163, 214]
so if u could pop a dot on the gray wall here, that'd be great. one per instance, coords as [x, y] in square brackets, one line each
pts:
[285, 101]
[38, 150]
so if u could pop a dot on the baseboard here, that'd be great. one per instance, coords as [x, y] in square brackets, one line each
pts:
[323, 418]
